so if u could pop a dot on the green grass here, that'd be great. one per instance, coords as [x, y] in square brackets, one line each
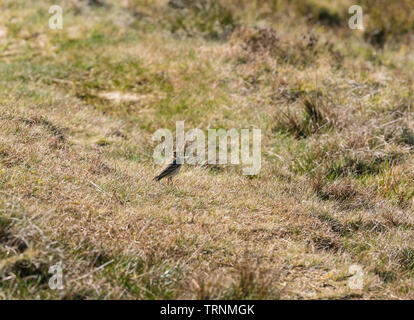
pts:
[79, 107]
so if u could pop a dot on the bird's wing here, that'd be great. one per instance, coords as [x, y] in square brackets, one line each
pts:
[168, 171]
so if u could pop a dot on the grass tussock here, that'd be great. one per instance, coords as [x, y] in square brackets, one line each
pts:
[382, 28]
[205, 18]
[299, 50]
[314, 116]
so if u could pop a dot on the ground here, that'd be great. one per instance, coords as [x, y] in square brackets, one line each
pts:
[79, 106]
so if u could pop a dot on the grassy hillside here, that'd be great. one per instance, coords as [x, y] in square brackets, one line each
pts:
[79, 107]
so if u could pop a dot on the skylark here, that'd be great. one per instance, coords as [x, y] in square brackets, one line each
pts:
[170, 170]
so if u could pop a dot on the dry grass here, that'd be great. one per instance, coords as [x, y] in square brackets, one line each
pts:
[314, 118]
[79, 107]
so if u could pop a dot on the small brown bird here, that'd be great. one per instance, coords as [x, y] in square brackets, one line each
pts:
[170, 171]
